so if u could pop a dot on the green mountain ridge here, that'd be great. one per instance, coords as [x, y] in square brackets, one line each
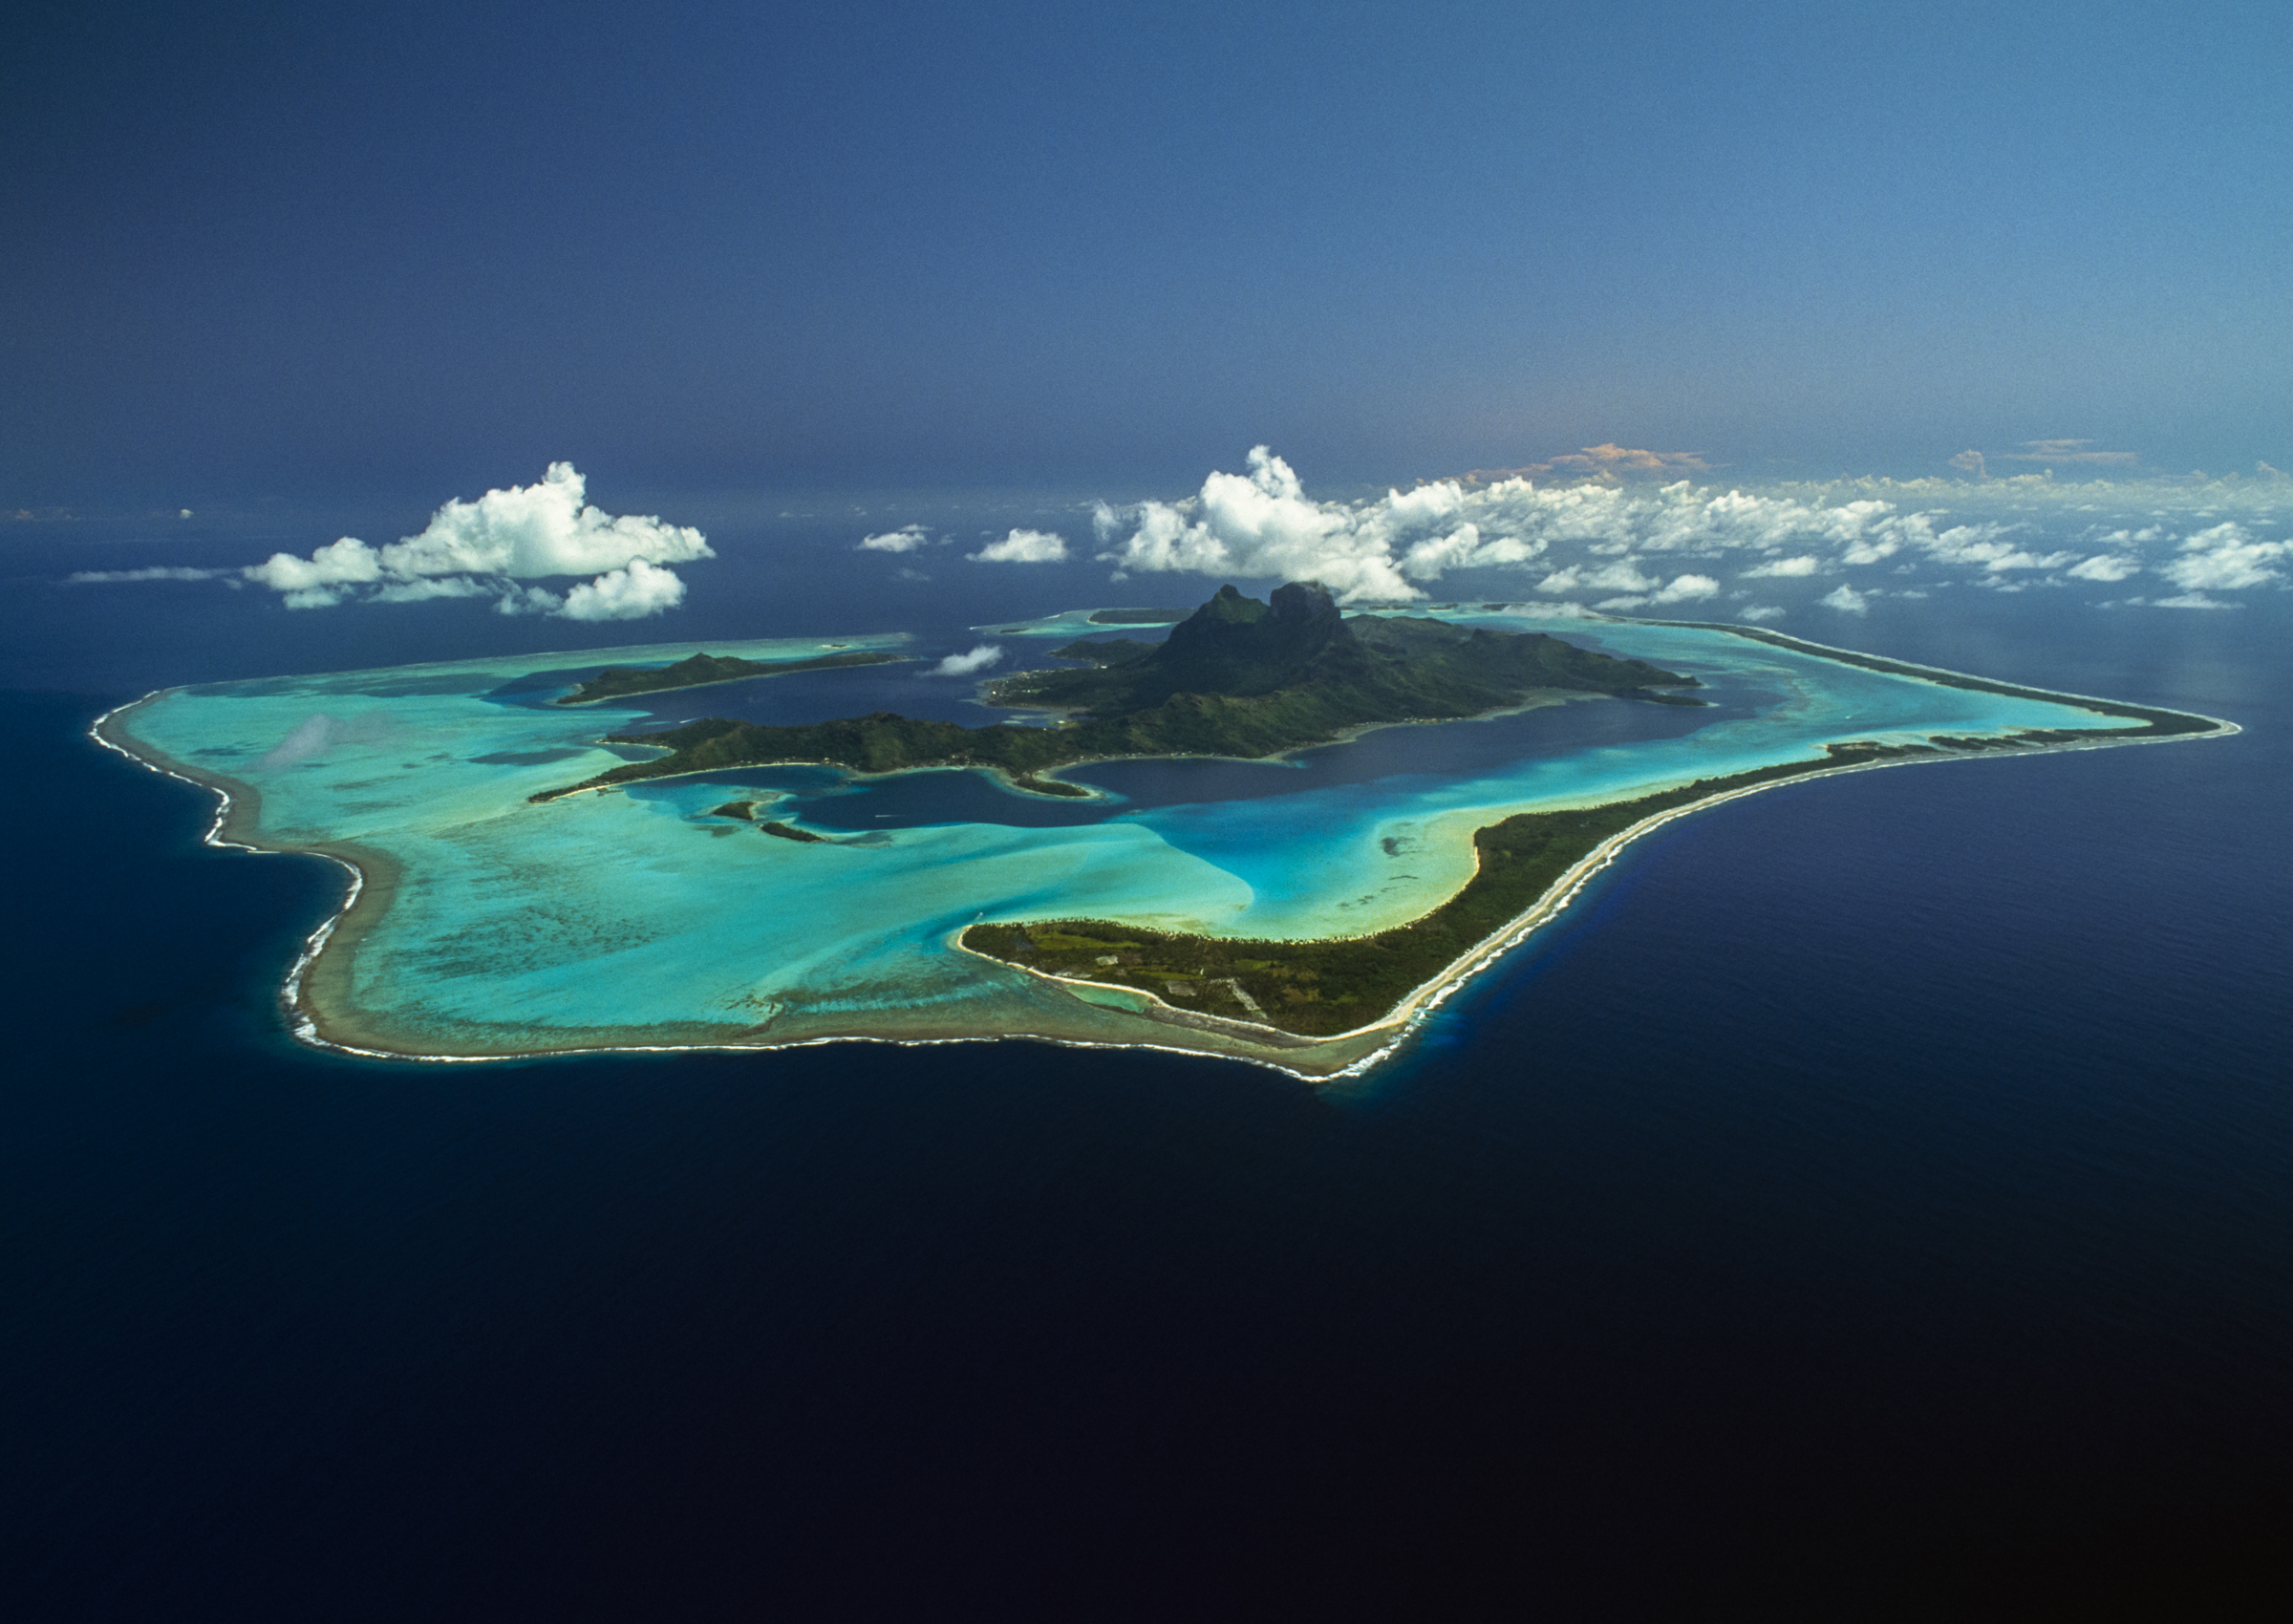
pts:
[698, 671]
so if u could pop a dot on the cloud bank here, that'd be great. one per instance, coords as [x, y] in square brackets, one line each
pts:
[1617, 546]
[485, 548]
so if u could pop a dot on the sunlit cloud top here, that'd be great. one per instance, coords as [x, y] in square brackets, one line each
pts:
[1604, 545]
[488, 548]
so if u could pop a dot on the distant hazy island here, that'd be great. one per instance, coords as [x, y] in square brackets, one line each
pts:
[1236, 678]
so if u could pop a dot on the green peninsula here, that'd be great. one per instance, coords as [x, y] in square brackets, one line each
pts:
[1327, 986]
[1237, 678]
[622, 682]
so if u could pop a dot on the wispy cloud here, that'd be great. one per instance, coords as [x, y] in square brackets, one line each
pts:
[315, 734]
[156, 572]
[1608, 461]
[1612, 577]
[1023, 547]
[2063, 451]
[968, 664]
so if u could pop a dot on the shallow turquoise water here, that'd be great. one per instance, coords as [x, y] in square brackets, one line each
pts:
[636, 911]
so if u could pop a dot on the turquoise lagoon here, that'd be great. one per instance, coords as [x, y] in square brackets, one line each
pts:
[489, 926]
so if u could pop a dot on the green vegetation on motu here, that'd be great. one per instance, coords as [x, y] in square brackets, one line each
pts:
[789, 832]
[1237, 678]
[1137, 617]
[620, 682]
[1318, 989]
[746, 812]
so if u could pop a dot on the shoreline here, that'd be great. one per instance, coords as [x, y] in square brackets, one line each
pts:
[798, 667]
[373, 876]
[1554, 900]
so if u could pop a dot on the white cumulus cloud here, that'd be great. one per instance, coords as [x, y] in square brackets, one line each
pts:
[968, 664]
[1023, 547]
[347, 563]
[1847, 600]
[906, 539]
[2106, 566]
[484, 547]
[631, 592]
[1687, 588]
[1262, 524]
[531, 531]
[1612, 537]
[2224, 558]
[1805, 564]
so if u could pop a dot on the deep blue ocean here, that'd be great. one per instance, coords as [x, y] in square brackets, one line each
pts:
[1875, 1201]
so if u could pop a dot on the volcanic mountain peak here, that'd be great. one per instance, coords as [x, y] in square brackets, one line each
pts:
[1238, 644]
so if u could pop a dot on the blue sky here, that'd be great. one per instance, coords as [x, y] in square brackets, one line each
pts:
[316, 250]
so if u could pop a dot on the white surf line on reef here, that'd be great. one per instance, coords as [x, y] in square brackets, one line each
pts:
[291, 993]
[1412, 1010]
[1982, 684]
[223, 809]
[305, 1027]
[1405, 1019]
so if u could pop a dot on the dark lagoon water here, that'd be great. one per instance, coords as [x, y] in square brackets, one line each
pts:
[1873, 1203]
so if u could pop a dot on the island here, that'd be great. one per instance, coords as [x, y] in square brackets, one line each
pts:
[699, 670]
[1280, 834]
[1237, 678]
